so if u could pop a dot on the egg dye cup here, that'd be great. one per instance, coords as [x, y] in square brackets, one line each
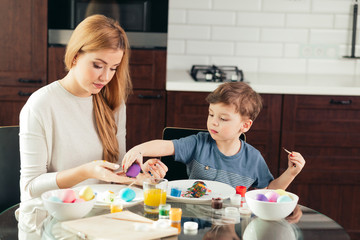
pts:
[133, 170]
[154, 194]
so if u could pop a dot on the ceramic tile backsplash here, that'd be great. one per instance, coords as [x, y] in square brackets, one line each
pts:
[280, 36]
[255, 19]
[209, 17]
[236, 34]
[181, 31]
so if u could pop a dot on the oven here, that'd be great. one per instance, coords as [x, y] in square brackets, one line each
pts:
[145, 21]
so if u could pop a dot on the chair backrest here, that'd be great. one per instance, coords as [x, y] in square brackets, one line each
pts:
[9, 167]
[177, 170]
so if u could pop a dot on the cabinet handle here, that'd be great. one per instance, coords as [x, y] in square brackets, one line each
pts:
[340, 102]
[149, 96]
[24, 94]
[24, 80]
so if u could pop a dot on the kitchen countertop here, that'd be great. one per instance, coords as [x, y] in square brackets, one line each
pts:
[270, 83]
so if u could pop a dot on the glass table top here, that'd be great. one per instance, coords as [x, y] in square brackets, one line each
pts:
[312, 225]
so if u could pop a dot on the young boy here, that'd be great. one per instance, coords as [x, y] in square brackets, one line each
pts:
[219, 154]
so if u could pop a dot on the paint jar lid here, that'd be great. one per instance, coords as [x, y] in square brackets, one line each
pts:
[241, 190]
[190, 225]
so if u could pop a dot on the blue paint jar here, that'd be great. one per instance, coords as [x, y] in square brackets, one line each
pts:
[175, 192]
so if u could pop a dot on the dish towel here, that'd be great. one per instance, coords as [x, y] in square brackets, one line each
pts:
[31, 216]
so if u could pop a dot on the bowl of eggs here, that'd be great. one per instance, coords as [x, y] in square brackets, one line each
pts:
[68, 204]
[270, 204]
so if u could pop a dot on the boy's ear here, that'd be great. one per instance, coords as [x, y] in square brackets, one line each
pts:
[246, 125]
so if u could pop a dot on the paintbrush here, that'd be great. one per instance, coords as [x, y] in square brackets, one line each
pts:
[130, 220]
[131, 184]
[287, 151]
[294, 165]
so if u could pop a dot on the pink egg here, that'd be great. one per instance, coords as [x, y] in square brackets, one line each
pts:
[68, 196]
[272, 196]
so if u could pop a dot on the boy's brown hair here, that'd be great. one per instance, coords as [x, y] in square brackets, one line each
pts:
[247, 102]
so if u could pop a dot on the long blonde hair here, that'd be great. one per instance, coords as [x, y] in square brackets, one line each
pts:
[94, 33]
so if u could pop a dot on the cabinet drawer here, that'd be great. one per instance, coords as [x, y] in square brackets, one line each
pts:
[321, 113]
[19, 80]
[12, 100]
[16, 93]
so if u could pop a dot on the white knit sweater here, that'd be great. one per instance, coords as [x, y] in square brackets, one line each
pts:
[57, 132]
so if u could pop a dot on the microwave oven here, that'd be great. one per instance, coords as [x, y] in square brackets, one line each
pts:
[144, 21]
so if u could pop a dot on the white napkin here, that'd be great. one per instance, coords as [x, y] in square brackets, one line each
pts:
[31, 216]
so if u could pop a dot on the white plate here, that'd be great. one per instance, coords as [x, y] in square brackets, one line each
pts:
[218, 189]
[100, 188]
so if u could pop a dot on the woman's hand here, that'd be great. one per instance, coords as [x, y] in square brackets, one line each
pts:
[133, 155]
[155, 168]
[104, 170]
[295, 216]
[296, 162]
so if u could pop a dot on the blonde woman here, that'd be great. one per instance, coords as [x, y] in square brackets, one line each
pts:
[72, 131]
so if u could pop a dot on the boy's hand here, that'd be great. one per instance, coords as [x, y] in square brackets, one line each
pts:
[296, 162]
[295, 216]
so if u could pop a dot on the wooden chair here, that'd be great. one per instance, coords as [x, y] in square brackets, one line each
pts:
[177, 170]
[9, 167]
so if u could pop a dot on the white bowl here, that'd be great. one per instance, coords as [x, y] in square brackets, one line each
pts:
[270, 210]
[66, 211]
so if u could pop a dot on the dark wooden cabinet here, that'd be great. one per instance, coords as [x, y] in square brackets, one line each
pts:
[56, 65]
[145, 117]
[189, 109]
[148, 69]
[326, 131]
[146, 106]
[23, 55]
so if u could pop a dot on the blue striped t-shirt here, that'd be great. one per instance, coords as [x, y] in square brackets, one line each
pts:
[205, 161]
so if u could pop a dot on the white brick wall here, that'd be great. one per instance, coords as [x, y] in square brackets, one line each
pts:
[280, 36]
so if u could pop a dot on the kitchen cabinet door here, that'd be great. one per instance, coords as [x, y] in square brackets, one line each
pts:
[190, 110]
[56, 65]
[145, 116]
[148, 69]
[23, 41]
[326, 131]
